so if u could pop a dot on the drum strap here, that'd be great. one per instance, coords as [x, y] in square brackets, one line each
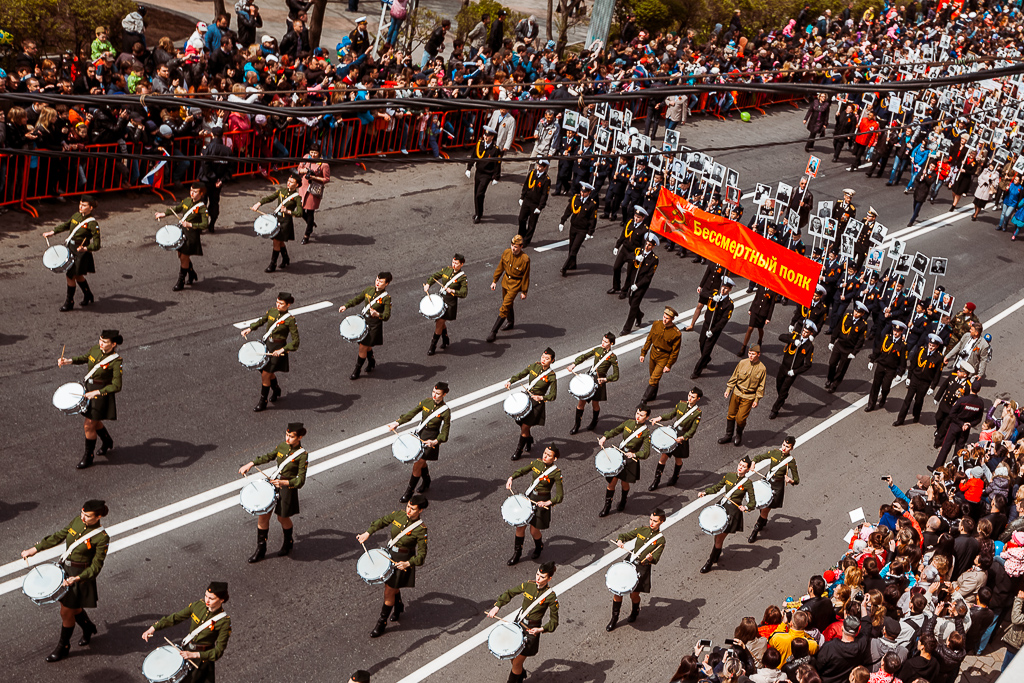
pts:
[536, 603]
[112, 357]
[288, 460]
[275, 324]
[284, 201]
[454, 278]
[205, 625]
[779, 467]
[640, 553]
[67, 553]
[675, 425]
[536, 379]
[622, 446]
[375, 300]
[537, 480]
[600, 362]
[191, 210]
[439, 411]
[78, 227]
[405, 532]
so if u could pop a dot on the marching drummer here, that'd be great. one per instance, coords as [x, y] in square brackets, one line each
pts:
[435, 421]
[453, 287]
[687, 427]
[281, 339]
[546, 492]
[542, 388]
[290, 476]
[636, 446]
[514, 271]
[377, 307]
[538, 598]
[663, 342]
[787, 474]
[408, 550]
[193, 219]
[86, 546]
[649, 542]
[102, 382]
[605, 368]
[734, 507]
[208, 638]
[289, 207]
[82, 242]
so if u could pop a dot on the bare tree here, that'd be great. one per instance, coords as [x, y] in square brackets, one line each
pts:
[551, 11]
[566, 20]
[218, 9]
[316, 21]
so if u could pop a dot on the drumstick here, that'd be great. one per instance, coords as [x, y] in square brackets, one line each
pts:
[514, 623]
[62, 352]
[262, 472]
[194, 665]
[364, 547]
[47, 241]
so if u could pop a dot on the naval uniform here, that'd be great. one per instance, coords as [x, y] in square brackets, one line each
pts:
[642, 535]
[279, 338]
[487, 159]
[85, 561]
[210, 643]
[549, 488]
[85, 232]
[778, 480]
[925, 370]
[533, 614]
[607, 368]
[534, 197]
[374, 326]
[547, 387]
[629, 245]
[459, 288]
[435, 427]
[735, 517]
[294, 472]
[718, 313]
[890, 362]
[411, 547]
[106, 380]
[637, 440]
[796, 357]
[847, 337]
[582, 216]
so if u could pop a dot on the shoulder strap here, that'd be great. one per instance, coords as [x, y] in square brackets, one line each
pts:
[78, 227]
[632, 436]
[275, 324]
[640, 553]
[288, 460]
[537, 480]
[439, 411]
[112, 357]
[373, 301]
[287, 199]
[405, 532]
[67, 553]
[536, 603]
[778, 467]
[597, 364]
[454, 278]
[682, 419]
[191, 210]
[537, 379]
[199, 629]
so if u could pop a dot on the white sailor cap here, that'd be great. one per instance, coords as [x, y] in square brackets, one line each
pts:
[652, 238]
[727, 281]
[966, 367]
[638, 209]
[361, 20]
[809, 325]
[849, 192]
[543, 162]
[586, 187]
[935, 339]
[488, 130]
[872, 212]
[861, 307]
[899, 325]
[820, 290]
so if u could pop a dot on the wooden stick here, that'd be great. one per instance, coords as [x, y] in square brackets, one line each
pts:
[194, 665]
[62, 352]
[364, 547]
[47, 241]
[514, 623]
[262, 472]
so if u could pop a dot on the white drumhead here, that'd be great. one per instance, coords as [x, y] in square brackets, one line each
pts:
[162, 664]
[763, 494]
[609, 461]
[664, 439]
[265, 225]
[432, 306]
[353, 328]
[252, 354]
[516, 404]
[621, 578]
[258, 496]
[42, 581]
[68, 396]
[505, 641]
[407, 447]
[170, 237]
[517, 510]
[713, 519]
[373, 566]
[56, 257]
[582, 386]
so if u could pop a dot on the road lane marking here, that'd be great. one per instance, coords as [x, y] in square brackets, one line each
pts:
[294, 311]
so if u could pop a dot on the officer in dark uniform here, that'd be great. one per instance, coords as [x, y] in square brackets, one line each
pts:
[435, 422]
[289, 476]
[193, 219]
[604, 368]
[628, 246]
[583, 167]
[797, 357]
[543, 388]
[581, 212]
[408, 550]
[635, 188]
[687, 414]
[617, 190]
[563, 179]
[842, 211]
[533, 199]
[281, 326]
[487, 159]
[211, 627]
[289, 207]
[734, 507]
[925, 369]
[635, 446]
[641, 273]
[83, 240]
[939, 325]
[86, 547]
[816, 313]
[847, 341]
[651, 193]
[719, 312]
[888, 362]
[454, 286]
[546, 492]
[967, 412]
[538, 598]
[212, 172]
[847, 292]
[786, 474]
[863, 242]
[377, 306]
[648, 547]
[604, 170]
[955, 386]
[102, 382]
[760, 311]
[710, 283]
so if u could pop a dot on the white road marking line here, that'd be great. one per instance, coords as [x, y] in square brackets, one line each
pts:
[480, 637]
[294, 311]
[553, 245]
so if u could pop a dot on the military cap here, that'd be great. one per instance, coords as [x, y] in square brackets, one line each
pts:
[640, 210]
[820, 290]
[861, 307]
[727, 282]
[756, 348]
[219, 588]
[871, 211]
[935, 339]
[94, 505]
[966, 367]
[443, 386]
[652, 238]
[553, 448]
[586, 187]
[361, 20]
[543, 162]
[517, 239]
[548, 568]
[809, 325]
[549, 352]
[899, 325]
[611, 337]
[420, 501]
[488, 130]
[849, 192]
[297, 428]
[112, 335]
[385, 275]
[361, 676]
[286, 297]
[671, 311]
[88, 199]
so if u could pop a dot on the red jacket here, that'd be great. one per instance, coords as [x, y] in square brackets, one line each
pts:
[972, 489]
[867, 136]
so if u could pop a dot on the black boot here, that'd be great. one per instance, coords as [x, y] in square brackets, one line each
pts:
[106, 443]
[285, 260]
[758, 525]
[433, 345]
[593, 421]
[409, 489]
[63, 645]
[371, 362]
[870, 406]
[275, 391]
[262, 405]
[616, 608]
[445, 341]
[359, 368]
[180, 284]
[425, 484]
[675, 475]
[510, 321]
[193, 276]
[738, 441]
[87, 297]
[261, 546]
[715, 554]
[273, 262]
[519, 448]
[86, 461]
[730, 425]
[529, 443]
[648, 393]
[517, 552]
[606, 510]
[622, 501]
[288, 544]
[88, 628]
[382, 622]
[69, 303]
[576, 422]
[657, 477]
[634, 612]
[494, 330]
[399, 608]
[538, 547]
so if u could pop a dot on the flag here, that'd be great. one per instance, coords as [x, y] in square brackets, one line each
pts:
[155, 177]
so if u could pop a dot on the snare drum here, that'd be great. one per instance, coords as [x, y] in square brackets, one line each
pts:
[354, 328]
[609, 462]
[713, 520]
[170, 237]
[517, 405]
[622, 578]
[70, 398]
[164, 665]
[58, 258]
[407, 448]
[266, 225]
[374, 566]
[253, 355]
[44, 583]
[763, 494]
[583, 386]
[432, 306]
[506, 641]
[664, 439]
[517, 510]
[258, 497]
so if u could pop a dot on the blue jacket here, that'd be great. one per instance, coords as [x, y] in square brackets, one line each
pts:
[1013, 195]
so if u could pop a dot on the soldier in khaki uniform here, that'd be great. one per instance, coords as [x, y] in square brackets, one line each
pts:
[408, 550]
[281, 326]
[102, 383]
[648, 546]
[193, 219]
[546, 491]
[514, 271]
[538, 598]
[734, 507]
[604, 368]
[635, 446]
[209, 631]
[435, 421]
[787, 474]
[377, 310]
[83, 240]
[88, 545]
[453, 287]
[289, 206]
[662, 343]
[685, 418]
[961, 323]
[290, 476]
[744, 390]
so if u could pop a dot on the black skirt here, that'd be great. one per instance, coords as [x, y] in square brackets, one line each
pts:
[452, 309]
[601, 394]
[644, 586]
[192, 246]
[402, 579]
[532, 641]
[757, 321]
[541, 516]
[103, 407]
[205, 673]
[81, 594]
[630, 472]
[287, 502]
[286, 229]
[374, 332]
[82, 263]
[778, 494]
[535, 416]
[430, 453]
[735, 517]
[276, 363]
[682, 450]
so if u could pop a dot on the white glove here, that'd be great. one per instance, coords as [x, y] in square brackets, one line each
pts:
[935, 401]
[811, 338]
[633, 288]
[930, 391]
[615, 251]
[588, 237]
[851, 356]
[790, 329]
[520, 202]
[561, 227]
[830, 346]
[871, 366]
[536, 210]
[494, 182]
[908, 381]
[467, 173]
[706, 334]
[791, 373]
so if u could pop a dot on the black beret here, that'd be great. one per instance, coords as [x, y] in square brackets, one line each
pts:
[286, 297]
[94, 505]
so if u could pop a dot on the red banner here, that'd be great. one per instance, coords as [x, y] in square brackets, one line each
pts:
[736, 247]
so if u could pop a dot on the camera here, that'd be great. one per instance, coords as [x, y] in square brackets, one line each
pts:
[858, 596]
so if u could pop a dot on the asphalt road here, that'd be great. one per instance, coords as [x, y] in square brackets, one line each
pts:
[186, 424]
